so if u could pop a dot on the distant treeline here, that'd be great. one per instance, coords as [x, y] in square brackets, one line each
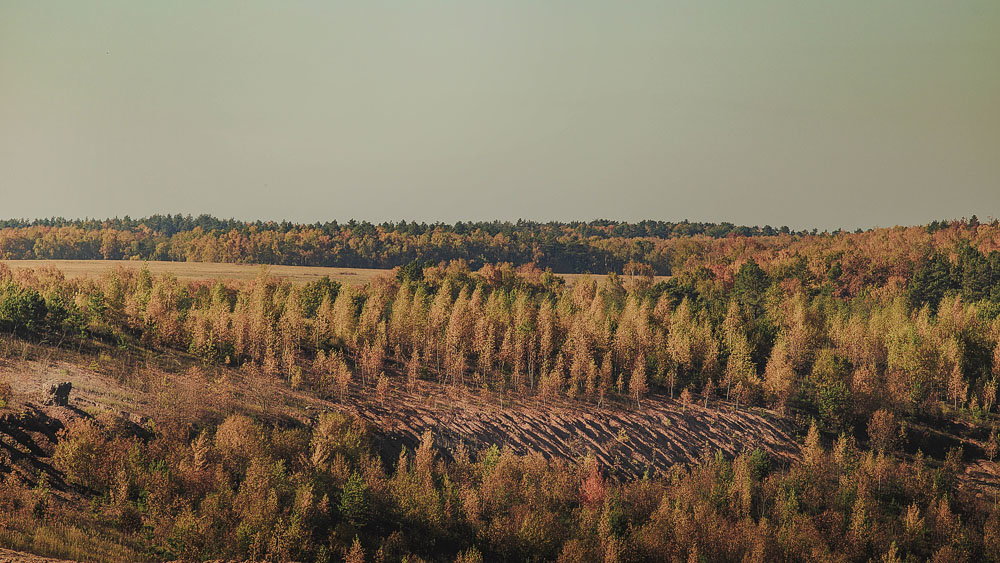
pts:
[574, 247]
[601, 228]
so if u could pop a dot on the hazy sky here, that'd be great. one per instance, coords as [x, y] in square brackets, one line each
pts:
[807, 114]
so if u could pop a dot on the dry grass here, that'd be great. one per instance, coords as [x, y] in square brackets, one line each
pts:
[190, 271]
[66, 542]
[177, 387]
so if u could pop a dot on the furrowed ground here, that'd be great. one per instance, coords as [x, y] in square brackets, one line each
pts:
[139, 392]
[626, 439]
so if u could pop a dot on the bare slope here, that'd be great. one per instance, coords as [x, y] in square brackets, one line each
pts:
[625, 439]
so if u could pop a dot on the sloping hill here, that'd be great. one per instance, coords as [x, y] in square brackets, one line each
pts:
[626, 440]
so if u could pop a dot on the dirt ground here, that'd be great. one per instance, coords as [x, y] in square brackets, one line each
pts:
[8, 556]
[626, 440]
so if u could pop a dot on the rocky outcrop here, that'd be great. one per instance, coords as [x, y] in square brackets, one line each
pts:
[58, 394]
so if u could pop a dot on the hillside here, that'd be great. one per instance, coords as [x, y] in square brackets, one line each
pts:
[177, 391]
[773, 399]
[625, 440]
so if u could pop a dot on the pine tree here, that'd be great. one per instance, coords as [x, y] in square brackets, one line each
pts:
[382, 389]
[952, 359]
[400, 331]
[356, 554]
[680, 345]
[438, 316]
[708, 391]
[592, 380]
[322, 326]
[342, 376]
[413, 370]
[813, 452]
[344, 318]
[637, 383]
[606, 375]
[546, 331]
[779, 376]
[739, 368]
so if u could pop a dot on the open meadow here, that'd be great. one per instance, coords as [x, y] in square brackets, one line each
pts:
[195, 271]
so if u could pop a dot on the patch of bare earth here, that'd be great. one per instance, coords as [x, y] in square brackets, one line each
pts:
[982, 479]
[625, 439]
[8, 556]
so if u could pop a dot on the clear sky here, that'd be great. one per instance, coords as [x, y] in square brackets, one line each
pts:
[807, 114]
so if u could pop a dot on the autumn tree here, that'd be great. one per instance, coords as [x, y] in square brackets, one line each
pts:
[637, 385]
[779, 376]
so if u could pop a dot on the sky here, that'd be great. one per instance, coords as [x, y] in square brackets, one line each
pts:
[807, 114]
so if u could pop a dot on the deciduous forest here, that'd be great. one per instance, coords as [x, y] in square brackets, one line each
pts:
[597, 246]
[268, 420]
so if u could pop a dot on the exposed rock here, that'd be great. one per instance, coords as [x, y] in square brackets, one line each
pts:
[59, 394]
[138, 419]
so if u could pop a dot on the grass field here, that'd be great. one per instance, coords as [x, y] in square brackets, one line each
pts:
[203, 270]
[213, 270]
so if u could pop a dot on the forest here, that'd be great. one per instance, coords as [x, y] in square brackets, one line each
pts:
[879, 351]
[578, 247]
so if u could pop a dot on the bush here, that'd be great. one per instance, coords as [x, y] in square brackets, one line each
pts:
[354, 500]
[883, 431]
[6, 393]
[80, 454]
[21, 309]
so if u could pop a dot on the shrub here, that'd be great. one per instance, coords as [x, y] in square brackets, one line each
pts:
[6, 393]
[238, 440]
[79, 453]
[354, 500]
[883, 431]
[21, 309]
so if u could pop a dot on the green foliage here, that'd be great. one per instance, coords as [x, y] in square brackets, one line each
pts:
[312, 294]
[79, 454]
[974, 276]
[834, 404]
[596, 246]
[760, 464]
[750, 286]
[354, 502]
[21, 309]
[831, 395]
[978, 275]
[412, 272]
[931, 281]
